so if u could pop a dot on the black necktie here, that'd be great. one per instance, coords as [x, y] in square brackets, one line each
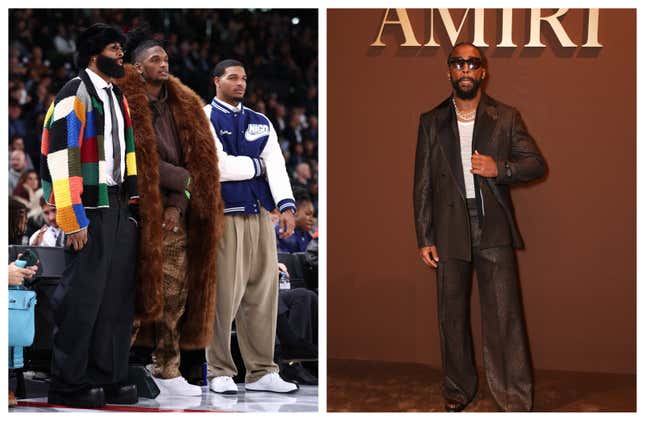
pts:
[116, 145]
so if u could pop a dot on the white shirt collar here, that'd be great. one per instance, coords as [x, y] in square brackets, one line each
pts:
[235, 109]
[98, 82]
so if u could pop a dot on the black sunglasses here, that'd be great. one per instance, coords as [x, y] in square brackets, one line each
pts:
[458, 63]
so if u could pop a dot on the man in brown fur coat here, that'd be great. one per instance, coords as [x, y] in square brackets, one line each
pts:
[181, 213]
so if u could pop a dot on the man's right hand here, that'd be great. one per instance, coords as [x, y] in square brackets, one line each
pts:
[429, 256]
[76, 240]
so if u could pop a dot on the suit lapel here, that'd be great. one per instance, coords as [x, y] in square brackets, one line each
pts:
[448, 135]
[485, 123]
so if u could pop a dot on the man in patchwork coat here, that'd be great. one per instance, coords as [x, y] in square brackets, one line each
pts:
[89, 173]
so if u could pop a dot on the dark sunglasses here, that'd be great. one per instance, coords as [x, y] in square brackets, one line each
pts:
[458, 63]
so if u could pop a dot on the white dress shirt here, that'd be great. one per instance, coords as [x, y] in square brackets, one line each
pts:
[100, 85]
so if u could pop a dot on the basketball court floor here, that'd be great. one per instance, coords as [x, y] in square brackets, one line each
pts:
[304, 400]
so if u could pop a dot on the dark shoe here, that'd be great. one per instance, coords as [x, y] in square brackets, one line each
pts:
[121, 395]
[88, 398]
[295, 372]
[452, 405]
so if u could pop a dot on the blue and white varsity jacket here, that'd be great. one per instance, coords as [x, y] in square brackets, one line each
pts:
[242, 136]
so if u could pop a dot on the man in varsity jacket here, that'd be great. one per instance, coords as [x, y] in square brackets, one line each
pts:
[89, 173]
[254, 181]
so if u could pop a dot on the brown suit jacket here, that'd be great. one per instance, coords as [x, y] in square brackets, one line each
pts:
[440, 211]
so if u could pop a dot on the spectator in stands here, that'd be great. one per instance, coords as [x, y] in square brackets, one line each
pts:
[254, 182]
[37, 67]
[16, 275]
[18, 165]
[17, 124]
[28, 192]
[18, 93]
[304, 225]
[311, 102]
[294, 130]
[310, 152]
[40, 97]
[296, 330]
[181, 216]
[312, 130]
[17, 222]
[64, 43]
[50, 234]
[311, 260]
[302, 176]
[297, 155]
[18, 143]
[17, 69]
[279, 119]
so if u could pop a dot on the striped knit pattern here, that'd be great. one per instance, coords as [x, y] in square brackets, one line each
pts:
[73, 156]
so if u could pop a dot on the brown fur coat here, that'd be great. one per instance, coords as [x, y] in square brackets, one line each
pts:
[204, 214]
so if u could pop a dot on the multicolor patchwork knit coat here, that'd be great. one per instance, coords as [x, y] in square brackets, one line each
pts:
[72, 161]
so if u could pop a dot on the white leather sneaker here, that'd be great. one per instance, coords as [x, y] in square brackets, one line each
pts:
[177, 386]
[223, 384]
[271, 382]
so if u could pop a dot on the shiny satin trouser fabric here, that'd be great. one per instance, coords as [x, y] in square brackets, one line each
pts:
[506, 354]
[94, 303]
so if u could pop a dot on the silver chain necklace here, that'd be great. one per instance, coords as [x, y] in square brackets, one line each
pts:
[467, 116]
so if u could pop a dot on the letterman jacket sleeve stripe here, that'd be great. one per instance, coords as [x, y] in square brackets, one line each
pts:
[276, 172]
[231, 167]
[286, 204]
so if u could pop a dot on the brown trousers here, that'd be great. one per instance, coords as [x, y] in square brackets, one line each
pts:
[507, 359]
[166, 355]
[247, 291]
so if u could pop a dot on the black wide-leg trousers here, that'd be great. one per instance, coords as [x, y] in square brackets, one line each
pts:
[506, 354]
[94, 303]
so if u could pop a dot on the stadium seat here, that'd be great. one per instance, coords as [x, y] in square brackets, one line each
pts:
[295, 268]
[309, 274]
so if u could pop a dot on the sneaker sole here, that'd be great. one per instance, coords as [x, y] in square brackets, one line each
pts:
[273, 391]
[166, 391]
[225, 392]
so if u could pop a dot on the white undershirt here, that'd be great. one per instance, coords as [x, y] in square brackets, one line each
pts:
[466, 146]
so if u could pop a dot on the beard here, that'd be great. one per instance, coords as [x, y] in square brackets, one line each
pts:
[466, 94]
[109, 66]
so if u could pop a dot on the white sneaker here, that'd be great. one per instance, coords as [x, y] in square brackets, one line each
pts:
[177, 386]
[223, 384]
[272, 382]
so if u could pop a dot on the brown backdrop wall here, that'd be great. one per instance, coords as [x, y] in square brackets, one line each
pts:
[578, 271]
